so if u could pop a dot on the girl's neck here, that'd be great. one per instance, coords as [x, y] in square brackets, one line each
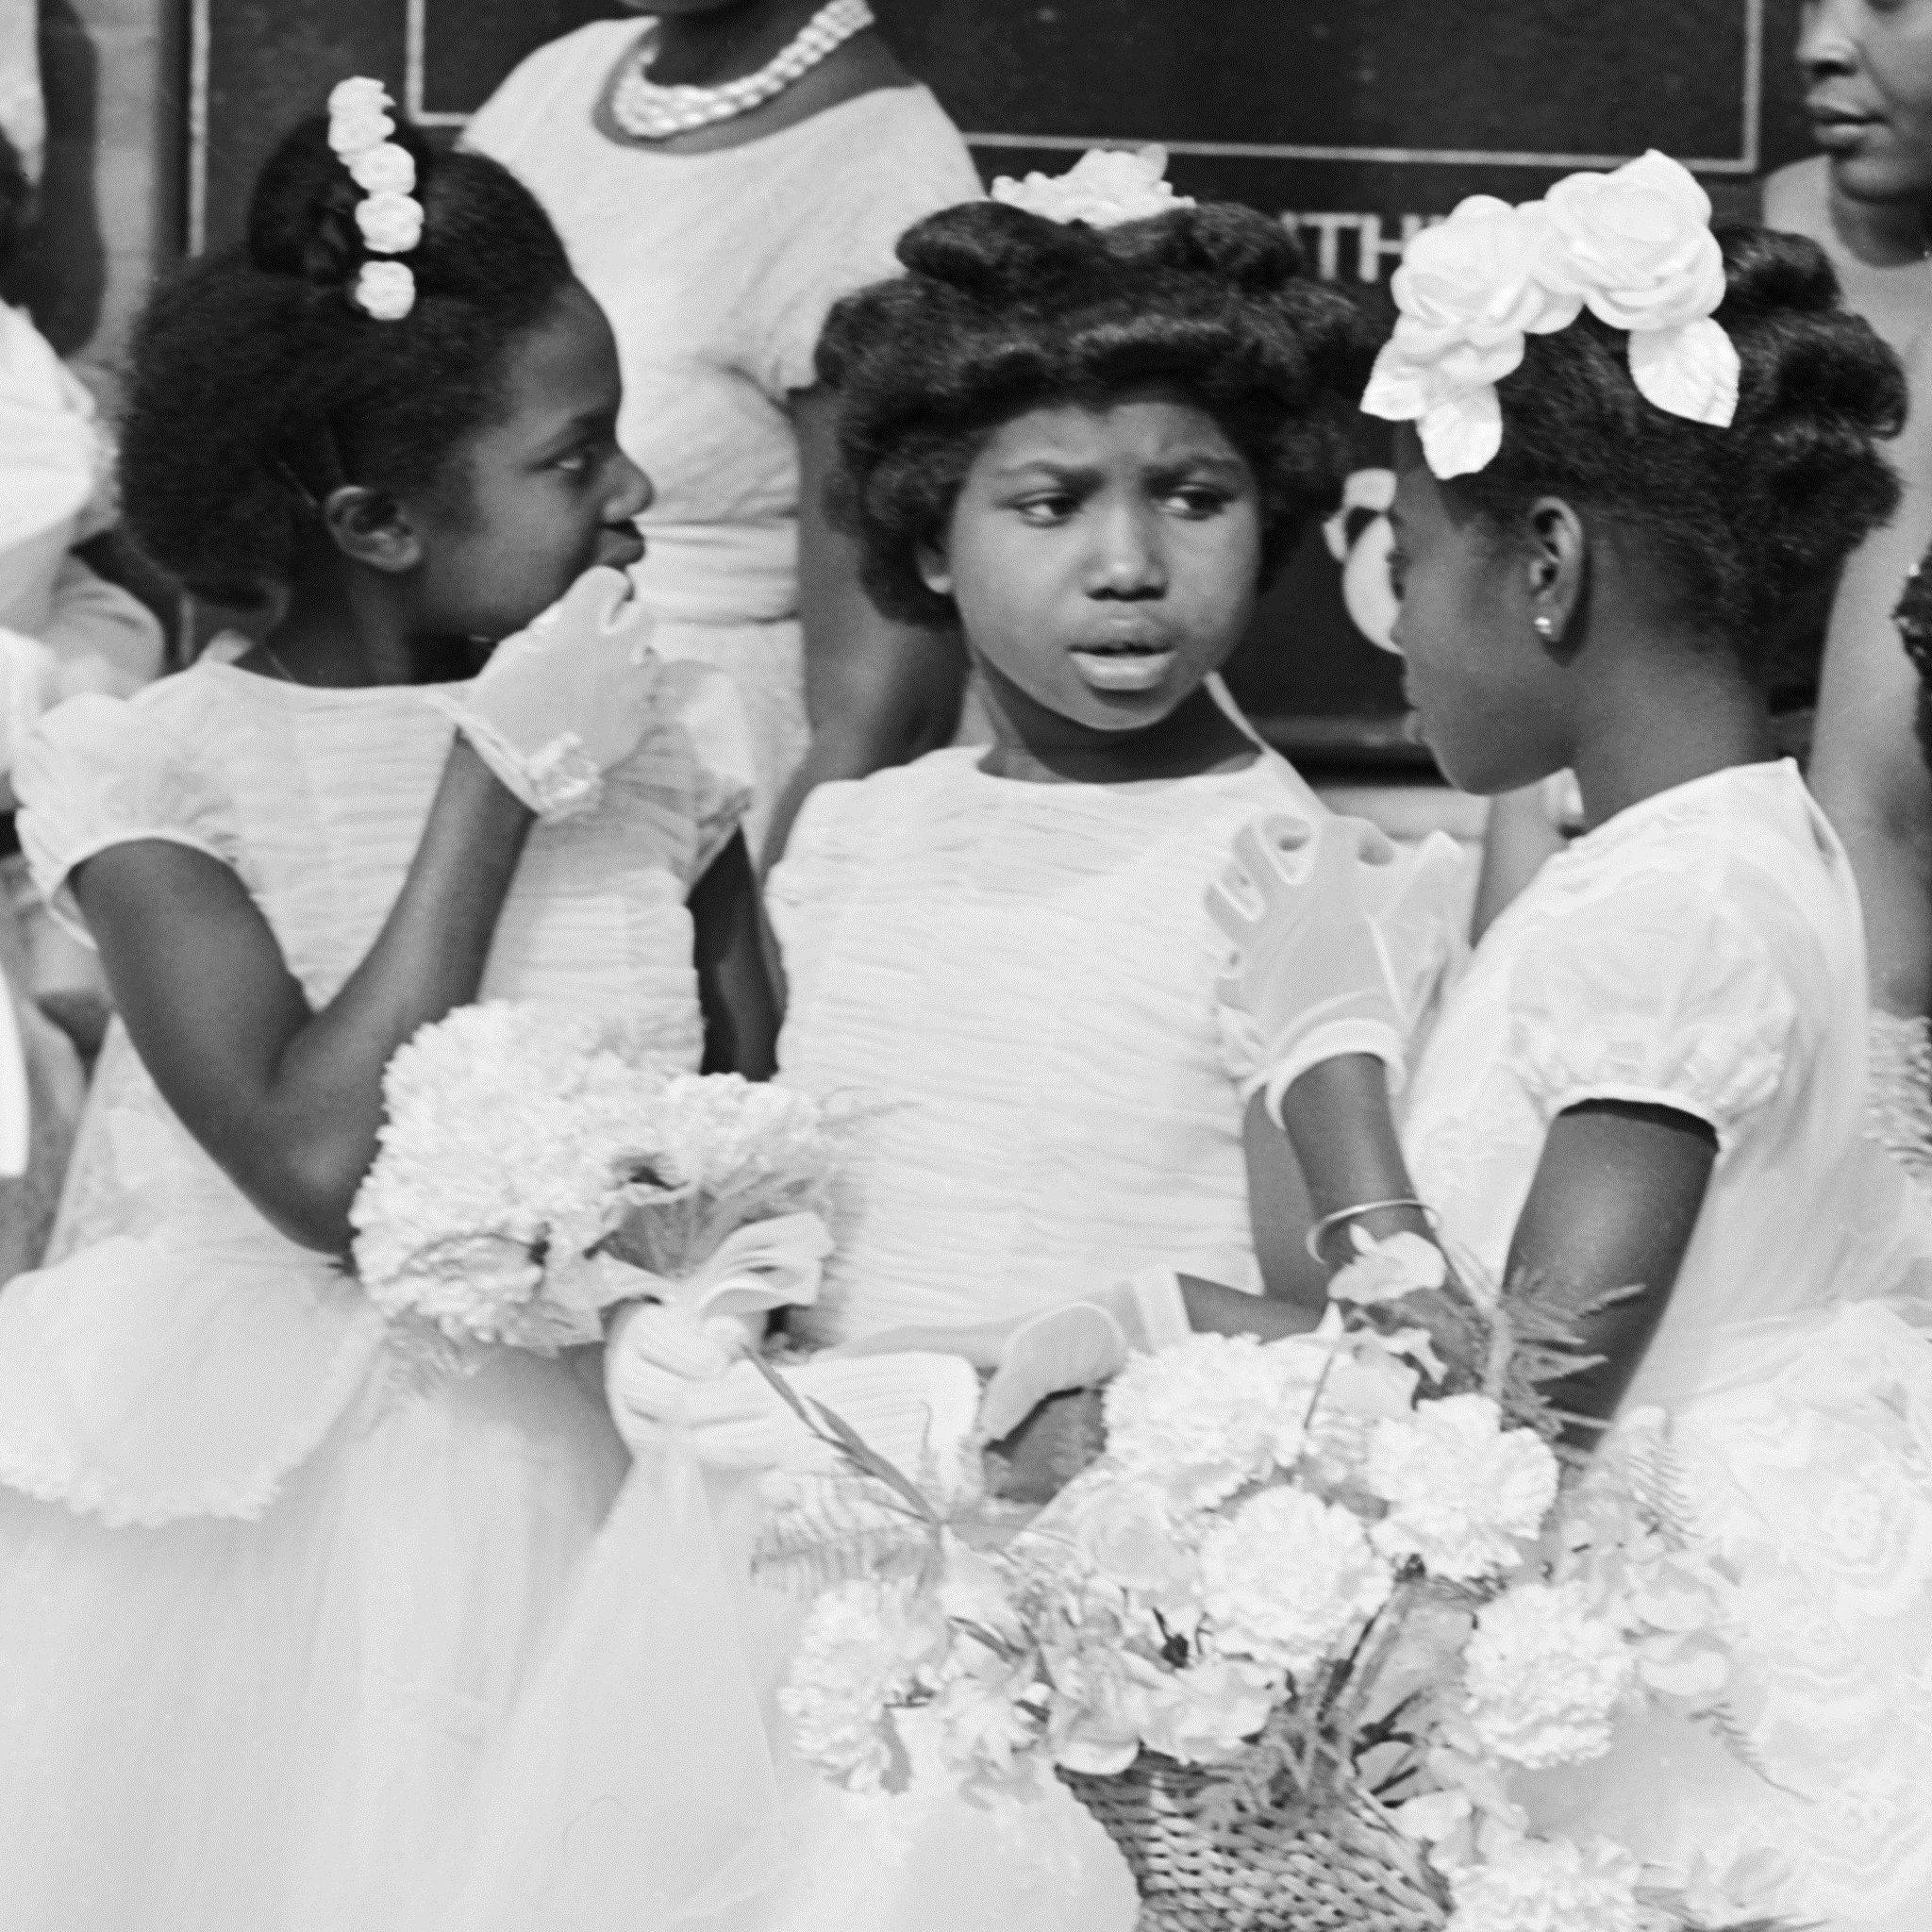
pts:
[1663, 719]
[1040, 747]
[708, 49]
[339, 631]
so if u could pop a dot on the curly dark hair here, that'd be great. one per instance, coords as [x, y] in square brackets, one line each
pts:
[1741, 520]
[1002, 311]
[258, 383]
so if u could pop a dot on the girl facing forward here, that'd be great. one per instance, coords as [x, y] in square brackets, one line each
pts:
[1086, 430]
[266, 1587]
[1652, 1071]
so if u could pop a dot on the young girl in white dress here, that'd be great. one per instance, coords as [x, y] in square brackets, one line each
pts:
[1653, 1071]
[267, 1584]
[1086, 436]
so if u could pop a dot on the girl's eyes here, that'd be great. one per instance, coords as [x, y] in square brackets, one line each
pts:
[1195, 500]
[1198, 500]
[576, 462]
[1044, 510]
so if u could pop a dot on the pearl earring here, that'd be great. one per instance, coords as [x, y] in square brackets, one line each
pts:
[1546, 625]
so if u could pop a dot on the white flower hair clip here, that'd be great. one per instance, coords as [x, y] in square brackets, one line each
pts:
[1104, 187]
[389, 215]
[1634, 247]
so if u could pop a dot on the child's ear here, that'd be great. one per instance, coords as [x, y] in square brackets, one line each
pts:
[1559, 554]
[372, 527]
[935, 570]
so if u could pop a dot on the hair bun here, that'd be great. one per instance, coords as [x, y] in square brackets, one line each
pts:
[1767, 271]
[302, 215]
[995, 253]
[1240, 244]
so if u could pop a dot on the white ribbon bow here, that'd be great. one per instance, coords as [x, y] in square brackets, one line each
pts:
[764, 1264]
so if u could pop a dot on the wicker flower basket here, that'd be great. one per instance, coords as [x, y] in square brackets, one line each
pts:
[1332, 1871]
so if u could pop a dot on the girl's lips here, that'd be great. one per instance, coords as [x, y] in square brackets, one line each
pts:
[620, 549]
[1123, 667]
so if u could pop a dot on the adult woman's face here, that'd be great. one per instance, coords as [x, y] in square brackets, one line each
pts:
[1868, 74]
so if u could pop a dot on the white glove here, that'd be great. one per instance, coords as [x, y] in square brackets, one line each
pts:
[667, 1375]
[565, 698]
[1081, 1345]
[1340, 942]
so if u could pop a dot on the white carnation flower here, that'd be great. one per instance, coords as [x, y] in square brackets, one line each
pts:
[358, 116]
[385, 290]
[1204, 1714]
[1464, 1491]
[391, 224]
[1288, 1578]
[1104, 187]
[1544, 1677]
[1206, 1417]
[384, 169]
[1384, 1271]
[859, 1655]
[1532, 1885]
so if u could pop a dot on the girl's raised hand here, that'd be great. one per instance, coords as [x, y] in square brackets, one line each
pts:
[1313, 973]
[564, 699]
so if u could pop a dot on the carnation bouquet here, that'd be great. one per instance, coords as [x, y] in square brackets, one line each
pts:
[535, 1168]
[1293, 1635]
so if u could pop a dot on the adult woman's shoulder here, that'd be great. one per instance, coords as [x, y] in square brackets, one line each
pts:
[567, 73]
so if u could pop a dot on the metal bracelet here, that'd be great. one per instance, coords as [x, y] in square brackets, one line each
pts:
[1313, 1240]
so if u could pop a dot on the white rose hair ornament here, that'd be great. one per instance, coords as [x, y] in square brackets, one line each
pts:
[1635, 247]
[389, 216]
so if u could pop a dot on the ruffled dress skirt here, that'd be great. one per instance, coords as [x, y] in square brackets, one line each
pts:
[646, 1783]
[1805, 1455]
[248, 1670]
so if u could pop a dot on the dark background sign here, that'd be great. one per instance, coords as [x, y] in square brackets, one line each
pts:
[1355, 121]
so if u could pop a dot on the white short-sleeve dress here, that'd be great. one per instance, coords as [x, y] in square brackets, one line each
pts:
[1010, 988]
[1703, 951]
[716, 271]
[266, 1588]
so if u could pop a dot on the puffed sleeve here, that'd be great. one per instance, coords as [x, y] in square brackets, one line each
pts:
[808, 892]
[1665, 991]
[845, 227]
[99, 771]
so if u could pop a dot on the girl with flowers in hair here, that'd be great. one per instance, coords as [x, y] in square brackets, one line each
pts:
[270, 1575]
[1086, 425]
[1624, 442]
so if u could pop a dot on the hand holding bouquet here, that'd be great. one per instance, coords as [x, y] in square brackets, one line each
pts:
[535, 1169]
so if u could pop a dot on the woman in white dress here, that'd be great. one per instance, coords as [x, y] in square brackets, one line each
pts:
[269, 1575]
[717, 249]
[1653, 1071]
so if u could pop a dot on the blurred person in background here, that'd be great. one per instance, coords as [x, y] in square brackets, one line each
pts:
[721, 174]
[62, 630]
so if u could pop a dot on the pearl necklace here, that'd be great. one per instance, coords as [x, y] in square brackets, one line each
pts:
[650, 112]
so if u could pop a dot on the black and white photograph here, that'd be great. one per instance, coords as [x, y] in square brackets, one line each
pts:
[965, 966]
